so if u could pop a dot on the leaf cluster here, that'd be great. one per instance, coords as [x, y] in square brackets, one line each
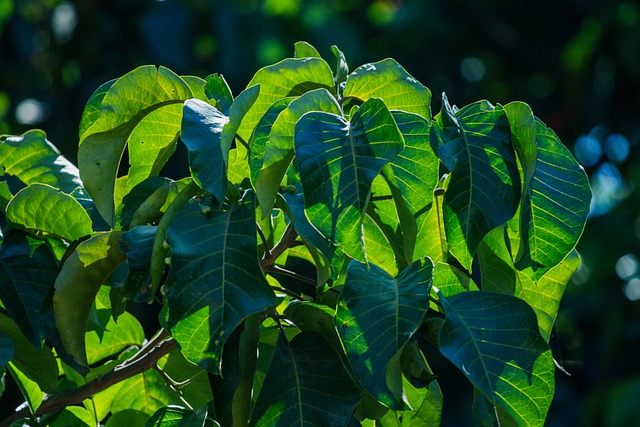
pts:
[331, 229]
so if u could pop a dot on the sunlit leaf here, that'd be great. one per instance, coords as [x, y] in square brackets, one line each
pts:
[305, 50]
[484, 191]
[494, 340]
[216, 87]
[147, 101]
[176, 416]
[290, 77]
[338, 161]
[77, 284]
[44, 210]
[376, 316]
[214, 283]
[145, 392]
[389, 81]
[555, 206]
[306, 384]
[72, 416]
[33, 159]
[115, 337]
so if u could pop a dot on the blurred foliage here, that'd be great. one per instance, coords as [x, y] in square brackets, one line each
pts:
[576, 63]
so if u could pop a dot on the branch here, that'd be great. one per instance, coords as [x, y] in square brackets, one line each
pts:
[139, 364]
[287, 241]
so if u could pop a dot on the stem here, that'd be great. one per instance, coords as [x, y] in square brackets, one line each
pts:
[146, 358]
[288, 240]
[288, 292]
[378, 198]
[267, 251]
[242, 141]
[293, 275]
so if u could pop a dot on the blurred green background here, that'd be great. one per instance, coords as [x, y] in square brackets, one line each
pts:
[576, 62]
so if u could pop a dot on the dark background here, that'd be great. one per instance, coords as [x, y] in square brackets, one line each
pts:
[576, 63]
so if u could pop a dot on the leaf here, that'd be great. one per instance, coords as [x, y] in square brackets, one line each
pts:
[193, 381]
[114, 338]
[36, 366]
[278, 152]
[200, 132]
[145, 392]
[234, 388]
[337, 161]
[175, 416]
[494, 340]
[32, 159]
[216, 87]
[555, 206]
[214, 283]
[6, 350]
[543, 295]
[376, 316]
[72, 416]
[450, 280]
[26, 276]
[137, 243]
[523, 134]
[305, 50]
[306, 384]
[128, 417]
[77, 284]
[46, 211]
[484, 191]
[144, 101]
[389, 81]
[342, 69]
[289, 77]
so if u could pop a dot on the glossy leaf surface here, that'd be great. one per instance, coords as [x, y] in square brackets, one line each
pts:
[494, 340]
[306, 384]
[337, 161]
[376, 316]
[216, 282]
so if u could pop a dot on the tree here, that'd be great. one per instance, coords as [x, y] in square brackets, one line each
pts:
[330, 230]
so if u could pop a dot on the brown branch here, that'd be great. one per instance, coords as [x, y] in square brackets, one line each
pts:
[144, 362]
[287, 241]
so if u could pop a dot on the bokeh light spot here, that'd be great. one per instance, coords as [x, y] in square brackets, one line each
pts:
[30, 111]
[627, 266]
[617, 146]
[63, 21]
[588, 150]
[472, 69]
[632, 289]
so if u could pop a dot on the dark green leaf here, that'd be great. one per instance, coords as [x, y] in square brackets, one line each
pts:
[214, 283]
[137, 244]
[136, 197]
[80, 278]
[484, 191]
[495, 341]
[201, 131]
[337, 161]
[390, 82]
[278, 152]
[26, 276]
[33, 159]
[376, 316]
[306, 384]
[46, 211]
[176, 416]
[6, 350]
[290, 77]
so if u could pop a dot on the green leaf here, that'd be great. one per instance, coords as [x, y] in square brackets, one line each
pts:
[176, 416]
[46, 211]
[484, 191]
[37, 367]
[278, 152]
[303, 49]
[555, 206]
[145, 392]
[26, 276]
[216, 87]
[342, 69]
[376, 316]
[6, 350]
[193, 380]
[146, 101]
[306, 384]
[543, 294]
[72, 416]
[233, 389]
[450, 280]
[115, 337]
[494, 340]
[289, 77]
[201, 131]
[128, 417]
[523, 134]
[310, 316]
[137, 243]
[33, 159]
[337, 161]
[210, 277]
[80, 278]
[387, 80]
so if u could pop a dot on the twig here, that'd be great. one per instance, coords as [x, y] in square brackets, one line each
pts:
[242, 141]
[126, 370]
[288, 240]
[293, 275]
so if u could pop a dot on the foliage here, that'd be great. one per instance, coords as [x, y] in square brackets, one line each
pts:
[331, 231]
